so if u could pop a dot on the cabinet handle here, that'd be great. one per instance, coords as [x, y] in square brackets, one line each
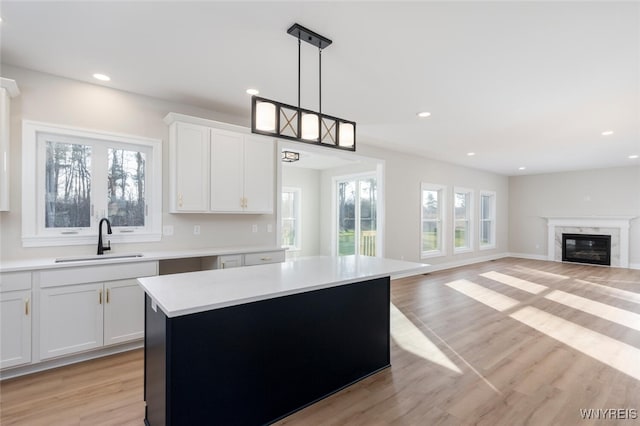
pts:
[222, 264]
[107, 295]
[179, 200]
[100, 297]
[26, 307]
[265, 258]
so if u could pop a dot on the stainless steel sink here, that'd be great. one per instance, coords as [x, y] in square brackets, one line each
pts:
[97, 257]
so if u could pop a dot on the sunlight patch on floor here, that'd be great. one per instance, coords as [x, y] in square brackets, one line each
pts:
[544, 274]
[411, 339]
[629, 296]
[491, 298]
[602, 310]
[614, 353]
[518, 283]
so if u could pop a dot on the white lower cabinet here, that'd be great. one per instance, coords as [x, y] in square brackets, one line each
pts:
[71, 319]
[123, 312]
[15, 321]
[77, 318]
[230, 261]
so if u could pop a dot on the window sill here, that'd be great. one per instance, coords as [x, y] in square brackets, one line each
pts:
[490, 247]
[76, 240]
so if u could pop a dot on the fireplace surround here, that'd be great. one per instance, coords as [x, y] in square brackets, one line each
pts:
[617, 227]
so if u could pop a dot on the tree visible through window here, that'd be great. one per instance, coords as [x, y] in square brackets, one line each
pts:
[74, 177]
[290, 207]
[432, 219]
[126, 187]
[462, 210]
[487, 219]
[68, 185]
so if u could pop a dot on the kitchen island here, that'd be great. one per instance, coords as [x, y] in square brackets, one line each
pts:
[253, 345]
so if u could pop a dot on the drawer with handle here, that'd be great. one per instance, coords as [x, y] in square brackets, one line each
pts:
[264, 257]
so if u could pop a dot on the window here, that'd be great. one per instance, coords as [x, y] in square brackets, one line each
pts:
[81, 176]
[357, 217]
[291, 235]
[462, 220]
[487, 219]
[432, 220]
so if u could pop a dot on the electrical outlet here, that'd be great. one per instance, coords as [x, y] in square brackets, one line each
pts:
[254, 228]
[196, 229]
[167, 230]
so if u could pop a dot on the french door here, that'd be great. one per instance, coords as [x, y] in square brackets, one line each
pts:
[356, 215]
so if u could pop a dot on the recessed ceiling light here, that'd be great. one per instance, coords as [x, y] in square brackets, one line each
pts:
[101, 77]
[607, 133]
[522, 168]
[423, 114]
[471, 154]
[253, 92]
[634, 156]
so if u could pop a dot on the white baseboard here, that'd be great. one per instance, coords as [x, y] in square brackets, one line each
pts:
[634, 266]
[529, 256]
[464, 262]
[67, 360]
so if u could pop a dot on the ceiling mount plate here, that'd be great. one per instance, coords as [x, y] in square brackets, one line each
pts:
[305, 34]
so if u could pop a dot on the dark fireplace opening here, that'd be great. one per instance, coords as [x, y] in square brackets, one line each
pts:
[584, 248]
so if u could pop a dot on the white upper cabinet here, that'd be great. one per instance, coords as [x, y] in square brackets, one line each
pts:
[8, 89]
[227, 172]
[189, 153]
[219, 168]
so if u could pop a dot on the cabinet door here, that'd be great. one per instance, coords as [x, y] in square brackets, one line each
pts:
[123, 311]
[15, 328]
[227, 179]
[230, 261]
[258, 175]
[190, 151]
[70, 319]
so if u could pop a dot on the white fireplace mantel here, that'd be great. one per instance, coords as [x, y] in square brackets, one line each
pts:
[621, 223]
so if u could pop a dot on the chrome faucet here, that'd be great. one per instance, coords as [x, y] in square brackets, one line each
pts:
[101, 248]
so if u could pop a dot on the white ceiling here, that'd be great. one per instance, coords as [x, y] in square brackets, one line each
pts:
[520, 84]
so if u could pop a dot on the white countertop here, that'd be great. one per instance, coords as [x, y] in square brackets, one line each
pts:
[193, 292]
[112, 258]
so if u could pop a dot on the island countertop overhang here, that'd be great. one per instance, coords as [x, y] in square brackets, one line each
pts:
[194, 292]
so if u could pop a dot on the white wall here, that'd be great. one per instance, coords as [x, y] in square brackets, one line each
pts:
[308, 180]
[602, 192]
[52, 99]
[403, 175]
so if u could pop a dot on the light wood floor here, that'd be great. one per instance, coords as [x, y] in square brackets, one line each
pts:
[498, 343]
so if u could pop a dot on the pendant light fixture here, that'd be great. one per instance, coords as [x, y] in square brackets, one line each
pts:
[274, 118]
[290, 156]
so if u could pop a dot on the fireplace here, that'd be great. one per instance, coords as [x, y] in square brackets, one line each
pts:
[586, 248]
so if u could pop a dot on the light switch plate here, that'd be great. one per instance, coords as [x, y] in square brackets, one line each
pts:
[167, 230]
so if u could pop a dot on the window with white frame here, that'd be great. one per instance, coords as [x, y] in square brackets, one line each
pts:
[291, 229]
[487, 219]
[462, 220]
[432, 220]
[81, 176]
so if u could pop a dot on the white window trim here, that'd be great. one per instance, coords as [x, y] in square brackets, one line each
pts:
[492, 245]
[470, 220]
[443, 220]
[33, 236]
[298, 192]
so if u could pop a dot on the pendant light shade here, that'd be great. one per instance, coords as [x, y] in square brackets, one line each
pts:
[310, 127]
[265, 116]
[280, 120]
[346, 135]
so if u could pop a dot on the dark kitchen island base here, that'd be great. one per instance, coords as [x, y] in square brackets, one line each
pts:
[258, 362]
